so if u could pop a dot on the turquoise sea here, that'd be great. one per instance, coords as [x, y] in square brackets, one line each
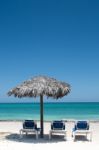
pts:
[52, 111]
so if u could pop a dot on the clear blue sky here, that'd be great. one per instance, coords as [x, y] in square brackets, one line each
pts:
[56, 38]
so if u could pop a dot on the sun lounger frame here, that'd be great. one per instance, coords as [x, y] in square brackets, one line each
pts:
[22, 131]
[82, 132]
[64, 132]
[57, 131]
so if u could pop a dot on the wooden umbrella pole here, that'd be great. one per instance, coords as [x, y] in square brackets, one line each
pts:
[41, 115]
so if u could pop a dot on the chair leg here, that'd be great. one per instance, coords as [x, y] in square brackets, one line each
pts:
[21, 134]
[50, 135]
[86, 135]
[65, 136]
[90, 136]
[26, 133]
[36, 135]
[74, 136]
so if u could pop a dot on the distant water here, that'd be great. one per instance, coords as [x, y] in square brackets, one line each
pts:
[52, 111]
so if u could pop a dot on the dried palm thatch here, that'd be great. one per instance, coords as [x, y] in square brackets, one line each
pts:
[40, 86]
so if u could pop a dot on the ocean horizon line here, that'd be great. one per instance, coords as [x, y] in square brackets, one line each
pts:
[49, 102]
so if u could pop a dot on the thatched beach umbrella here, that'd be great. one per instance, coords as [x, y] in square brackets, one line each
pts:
[41, 86]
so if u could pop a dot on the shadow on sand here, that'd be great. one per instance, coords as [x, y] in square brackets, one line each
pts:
[81, 138]
[32, 139]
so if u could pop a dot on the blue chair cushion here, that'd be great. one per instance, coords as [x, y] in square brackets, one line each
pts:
[29, 124]
[82, 125]
[58, 125]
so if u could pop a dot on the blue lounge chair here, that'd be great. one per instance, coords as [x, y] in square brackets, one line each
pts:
[57, 127]
[81, 128]
[29, 126]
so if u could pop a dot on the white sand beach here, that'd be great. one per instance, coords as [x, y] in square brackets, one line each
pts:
[10, 140]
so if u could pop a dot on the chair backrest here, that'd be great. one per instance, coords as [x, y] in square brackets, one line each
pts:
[58, 125]
[29, 124]
[82, 125]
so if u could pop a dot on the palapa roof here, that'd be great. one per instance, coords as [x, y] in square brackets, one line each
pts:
[41, 85]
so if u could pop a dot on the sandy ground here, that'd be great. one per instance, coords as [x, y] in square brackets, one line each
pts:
[10, 139]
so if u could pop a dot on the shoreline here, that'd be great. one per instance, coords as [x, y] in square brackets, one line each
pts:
[48, 121]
